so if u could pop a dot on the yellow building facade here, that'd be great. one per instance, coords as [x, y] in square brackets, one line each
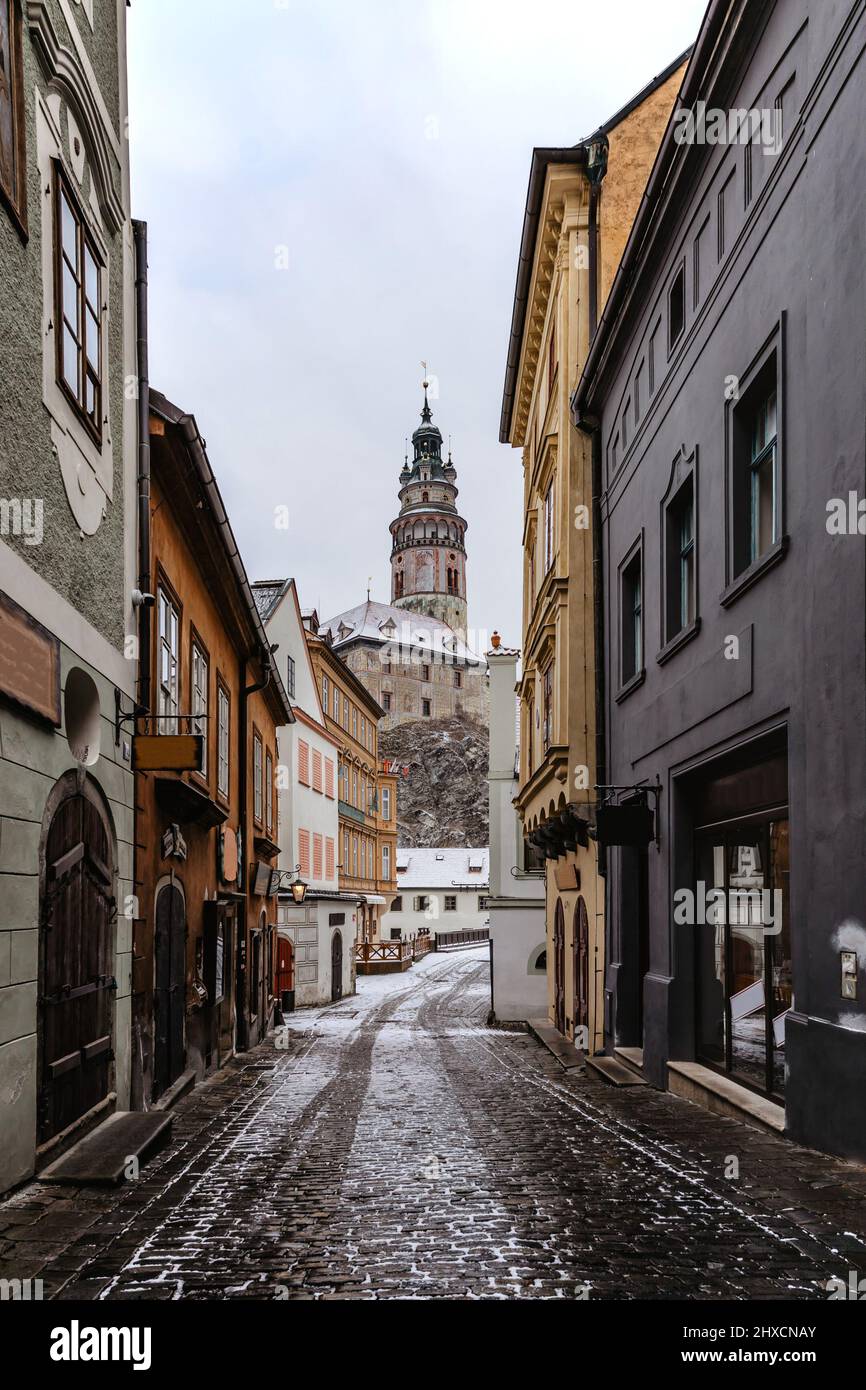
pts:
[580, 207]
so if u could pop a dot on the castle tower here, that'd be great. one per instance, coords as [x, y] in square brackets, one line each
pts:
[428, 555]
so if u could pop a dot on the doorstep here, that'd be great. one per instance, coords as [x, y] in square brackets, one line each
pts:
[176, 1091]
[630, 1057]
[565, 1052]
[616, 1073]
[103, 1156]
[703, 1086]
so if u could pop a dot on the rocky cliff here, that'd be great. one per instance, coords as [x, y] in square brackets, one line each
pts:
[442, 798]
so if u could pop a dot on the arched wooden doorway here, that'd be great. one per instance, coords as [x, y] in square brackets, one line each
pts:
[76, 943]
[581, 965]
[559, 968]
[285, 977]
[169, 1052]
[336, 966]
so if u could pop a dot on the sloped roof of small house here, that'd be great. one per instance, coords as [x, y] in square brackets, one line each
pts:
[443, 868]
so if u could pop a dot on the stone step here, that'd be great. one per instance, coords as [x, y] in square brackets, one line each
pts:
[614, 1073]
[565, 1052]
[102, 1156]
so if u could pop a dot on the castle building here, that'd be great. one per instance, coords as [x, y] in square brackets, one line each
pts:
[413, 654]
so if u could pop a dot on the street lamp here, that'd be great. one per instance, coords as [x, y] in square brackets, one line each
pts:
[297, 887]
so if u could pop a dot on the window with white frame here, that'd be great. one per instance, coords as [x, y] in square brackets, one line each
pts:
[386, 861]
[169, 663]
[200, 699]
[258, 753]
[386, 803]
[223, 740]
[269, 792]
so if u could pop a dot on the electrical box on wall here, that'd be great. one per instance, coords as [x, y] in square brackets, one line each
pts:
[849, 974]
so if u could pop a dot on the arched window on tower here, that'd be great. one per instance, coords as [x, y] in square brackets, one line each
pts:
[398, 584]
[425, 497]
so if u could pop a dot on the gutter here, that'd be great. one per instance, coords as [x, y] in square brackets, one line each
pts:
[139, 233]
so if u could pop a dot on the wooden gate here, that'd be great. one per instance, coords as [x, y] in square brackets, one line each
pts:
[581, 965]
[559, 968]
[76, 945]
[170, 995]
[336, 966]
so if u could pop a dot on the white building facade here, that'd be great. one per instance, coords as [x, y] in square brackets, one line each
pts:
[517, 920]
[439, 891]
[316, 946]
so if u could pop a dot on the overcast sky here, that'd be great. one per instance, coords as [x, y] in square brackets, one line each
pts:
[334, 191]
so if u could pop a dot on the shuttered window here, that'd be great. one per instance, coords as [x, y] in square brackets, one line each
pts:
[303, 762]
[304, 852]
[329, 777]
[317, 856]
[317, 770]
[329, 857]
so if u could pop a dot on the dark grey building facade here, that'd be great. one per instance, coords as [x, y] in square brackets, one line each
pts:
[726, 395]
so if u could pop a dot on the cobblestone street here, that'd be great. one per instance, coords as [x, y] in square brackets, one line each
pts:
[398, 1148]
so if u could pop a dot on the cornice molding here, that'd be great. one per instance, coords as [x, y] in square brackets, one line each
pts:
[66, 74]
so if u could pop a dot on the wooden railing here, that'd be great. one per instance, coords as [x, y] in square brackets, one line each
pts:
[397, 953]
[472, 936]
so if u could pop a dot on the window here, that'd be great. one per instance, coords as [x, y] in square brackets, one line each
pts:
[303, 762]
[199, 699]
[680, 561]
[78, 308]
[450, 902]
[386, 803]
[425, 673]
[329, 856]
[763, 531]
[425, 708]
[336, 705]
[354, 856]
[258, 754]
[631, 660]
[551, 359]
[304, 852]
[676, 310]
[169, 655]
[269, 792]
[458, 680]
[548, 527]
[223, 739]
[317, 770]
[354, 786]
[397, 904]
[329, 777]
[420, 904]
[318, 849]
[547, 707]
[482, 903]
[386, 861]
[290, 676]
[756, 469]
[325, 694]
[354, 722]
[345, 714]
[363, 729]
[345, 864]
[13, 152]
[386, 701]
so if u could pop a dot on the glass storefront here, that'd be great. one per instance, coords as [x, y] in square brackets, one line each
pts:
[744, 947]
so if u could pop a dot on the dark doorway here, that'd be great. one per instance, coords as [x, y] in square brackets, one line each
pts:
[634, 944]
[581, 965]
[336, 966]
[559, 968]
[76, 943]
[170, 995]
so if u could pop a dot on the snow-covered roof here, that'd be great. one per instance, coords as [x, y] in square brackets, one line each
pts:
[443, 868]
[399, 627]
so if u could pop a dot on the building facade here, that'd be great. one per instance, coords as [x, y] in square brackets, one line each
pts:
[579, 210]
[518, 933]
[734, 582]
[315, 960]
[366, 845]
[414, 654]
[206, 837]
[438, 891]
[68, 445]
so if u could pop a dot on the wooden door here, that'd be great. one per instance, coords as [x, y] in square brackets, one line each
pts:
[559, 968]
[170, 994]
[581, 965]
[336, 966]
[77, 960]
[285, 981]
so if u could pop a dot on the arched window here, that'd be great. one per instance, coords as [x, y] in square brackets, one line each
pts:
[425, 497]
[538, 961]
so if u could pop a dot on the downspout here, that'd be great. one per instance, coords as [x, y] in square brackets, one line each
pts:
[139, 234]
[243, 1032]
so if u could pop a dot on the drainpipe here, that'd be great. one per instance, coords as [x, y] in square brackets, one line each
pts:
[596, 168]
[242, 1017]
[139, 234]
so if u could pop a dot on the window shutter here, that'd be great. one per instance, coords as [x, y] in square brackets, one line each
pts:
[317, 856]
[329, 777]
[317, 770]
[303, 762]
[329, 857]
[304, 852]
